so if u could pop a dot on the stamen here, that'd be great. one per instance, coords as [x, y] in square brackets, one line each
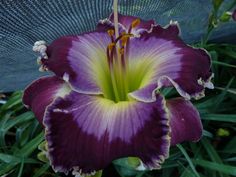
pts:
[123, 33]
[111, 32]
[122, 36]
[111, 46]
[122, 51]
[135, 23]
[117, 55]
[124, 40]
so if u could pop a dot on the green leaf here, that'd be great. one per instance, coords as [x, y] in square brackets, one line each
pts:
[212, 153]
[228, 53]
[25, 117]
[223, 64]
[42, 170]
[187, 172]
[8, 158]
[124, 168]
[21, 168]
[14, 100]
[230, 146]
[188, 159]
[220, 117]
[221, 97]
[207, 134]
[227, 169]
[231, 159]
[6, 168]
[230, 90]
[3, 121]
[31, 145]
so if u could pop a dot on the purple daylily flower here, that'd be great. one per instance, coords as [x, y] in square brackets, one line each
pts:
[104, 103]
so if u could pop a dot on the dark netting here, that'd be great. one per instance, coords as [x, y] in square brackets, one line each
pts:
[25, 21]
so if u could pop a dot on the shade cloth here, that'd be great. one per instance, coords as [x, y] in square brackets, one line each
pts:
[22, 22]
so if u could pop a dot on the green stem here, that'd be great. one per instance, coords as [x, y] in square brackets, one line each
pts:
[213, 18]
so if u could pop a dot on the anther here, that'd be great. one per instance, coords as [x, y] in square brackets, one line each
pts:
[123, 33]
[128, 35]
[135, 23]
[122, 36]
[111, 46]
[122, 51]
[124, 40]
[111, 32]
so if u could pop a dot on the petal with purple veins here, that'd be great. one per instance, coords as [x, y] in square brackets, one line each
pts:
[87, 132]
[167, 61]
[185, 121]
[39, 94]
[81, 61]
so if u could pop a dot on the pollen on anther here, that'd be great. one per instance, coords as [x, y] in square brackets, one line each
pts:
[111, 32]
[135, 23]
[111, 45]
[124, 40]
[122, 51]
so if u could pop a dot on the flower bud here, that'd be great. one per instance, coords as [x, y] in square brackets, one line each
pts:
[133, 162]
[225, 17]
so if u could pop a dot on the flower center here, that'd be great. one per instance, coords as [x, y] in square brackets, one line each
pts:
[118, 61]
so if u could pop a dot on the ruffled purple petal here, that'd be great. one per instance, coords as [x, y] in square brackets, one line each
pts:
[79, 60]
[87, 132]
[185, 121]
[125, 23]
[170, 62]
[234, 15]
[39, 94]
[145, 94]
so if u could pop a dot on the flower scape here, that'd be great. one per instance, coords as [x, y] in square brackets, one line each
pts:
[104, 101]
